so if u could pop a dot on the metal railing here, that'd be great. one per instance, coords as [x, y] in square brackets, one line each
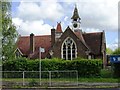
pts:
[33, 78]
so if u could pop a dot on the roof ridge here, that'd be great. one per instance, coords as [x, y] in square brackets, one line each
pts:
[36, 36]
[82, 39]
[92, 32]
[41, 35]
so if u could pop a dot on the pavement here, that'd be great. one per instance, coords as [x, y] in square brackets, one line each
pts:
[99, 84]
[68, 89]
[80, 86]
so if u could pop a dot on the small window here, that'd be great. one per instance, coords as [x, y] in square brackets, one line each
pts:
[17, 53]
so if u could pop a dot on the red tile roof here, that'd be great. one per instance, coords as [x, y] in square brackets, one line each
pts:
[59, 28]
[40, 41]
[94, 41]
[80, 36]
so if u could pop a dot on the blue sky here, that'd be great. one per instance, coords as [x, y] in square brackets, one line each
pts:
[40, 16]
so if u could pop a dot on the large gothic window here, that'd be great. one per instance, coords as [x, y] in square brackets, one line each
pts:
[69, 49]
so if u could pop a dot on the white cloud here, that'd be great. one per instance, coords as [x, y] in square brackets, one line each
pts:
[102, 15]
[66, 18]
[113, 45]
[38, 27]
[88, 30]
[40, 10]
[17, 21]
[30, 16]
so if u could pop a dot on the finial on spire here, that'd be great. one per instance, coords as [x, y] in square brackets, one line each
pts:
[75, 5]
[53, 26]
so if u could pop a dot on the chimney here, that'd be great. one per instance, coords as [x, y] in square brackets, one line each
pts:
[52, 36]
[32, 42]
[59, 28]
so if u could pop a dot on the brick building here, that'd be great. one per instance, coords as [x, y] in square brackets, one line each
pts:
[70, 44]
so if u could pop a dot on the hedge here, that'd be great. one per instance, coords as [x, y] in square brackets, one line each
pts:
[116, 69]
[85, 67]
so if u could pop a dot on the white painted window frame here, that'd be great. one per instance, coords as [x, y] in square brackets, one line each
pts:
[67, 48]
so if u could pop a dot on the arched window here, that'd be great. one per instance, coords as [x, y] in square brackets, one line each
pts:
[69, 50]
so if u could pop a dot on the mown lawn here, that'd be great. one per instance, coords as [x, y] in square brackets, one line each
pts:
[110, 80]
[59, 82]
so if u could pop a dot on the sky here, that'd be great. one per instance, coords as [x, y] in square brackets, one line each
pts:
[40, 16]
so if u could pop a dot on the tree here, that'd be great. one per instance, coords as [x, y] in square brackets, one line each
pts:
[9, 33]
[117, 51]
[109, 51]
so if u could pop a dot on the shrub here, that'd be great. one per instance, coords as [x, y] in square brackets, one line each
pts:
[33, 83]
[15, 65]
[85, 67]
[116, 69]
[106, 73]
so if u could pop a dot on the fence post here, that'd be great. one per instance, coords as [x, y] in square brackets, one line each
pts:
[77, 78]
[23, 78]
[49, 78]
[40, 77]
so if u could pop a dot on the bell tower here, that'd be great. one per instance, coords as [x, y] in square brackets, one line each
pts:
[76, 20]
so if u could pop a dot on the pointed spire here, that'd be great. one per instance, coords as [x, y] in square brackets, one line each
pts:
[75, 14]
[59, 28]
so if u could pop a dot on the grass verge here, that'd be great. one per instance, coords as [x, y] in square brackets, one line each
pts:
[109, 80]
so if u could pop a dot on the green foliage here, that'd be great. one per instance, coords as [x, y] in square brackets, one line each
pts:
[106, 73]
[85, 67]
[117, 51]
[8, 31]
[19, 64]
[109, 51]
[33, 83]
[116, 69]
[88, 68]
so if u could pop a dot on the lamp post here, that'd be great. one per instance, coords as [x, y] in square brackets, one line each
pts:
[40, 64]
[40, 51]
